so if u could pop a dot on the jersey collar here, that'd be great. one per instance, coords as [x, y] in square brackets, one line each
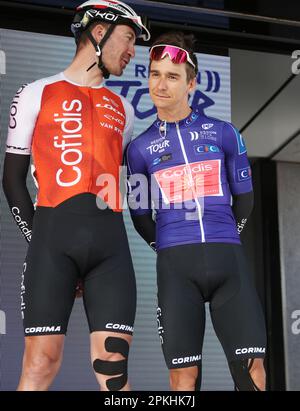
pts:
[186, 122]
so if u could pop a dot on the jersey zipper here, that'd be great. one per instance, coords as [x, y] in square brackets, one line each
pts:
[192, 183]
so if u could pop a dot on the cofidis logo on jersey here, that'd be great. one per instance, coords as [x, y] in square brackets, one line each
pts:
[244, 173]
[186, 182]
[206, 148]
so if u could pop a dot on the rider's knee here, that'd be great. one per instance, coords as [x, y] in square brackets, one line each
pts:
[113, 362]
[41, 364]
[258, 374]
[183, 379]
[246, 377]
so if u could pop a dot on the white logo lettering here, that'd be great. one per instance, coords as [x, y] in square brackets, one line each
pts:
[250, 350]
[296, 324]
[194, 135]
[22, 224]
[2, 62]
[121, 327]
[14, 108]
[296, 64]
[241, 225]
[110, 107]
[185, 171]
[207, 126]
[47, 329]
[104, 16]
[159, 326]
[2, 322]
[71, 125]
[159, 147]
[115, 119]
[23, 306]
[185, 360]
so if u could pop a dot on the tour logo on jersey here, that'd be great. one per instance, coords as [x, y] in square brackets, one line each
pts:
[162, 159]
[189, 181]
[158, 146]
[244, 173]
[206, 148]
[207, 126]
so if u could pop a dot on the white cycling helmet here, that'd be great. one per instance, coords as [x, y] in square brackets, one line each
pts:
[109, 11]
[113, 12]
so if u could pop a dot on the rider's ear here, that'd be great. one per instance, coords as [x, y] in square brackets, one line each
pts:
[99, 31]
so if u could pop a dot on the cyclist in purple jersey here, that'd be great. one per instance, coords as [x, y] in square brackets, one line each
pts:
[194, 171]
[220, 162]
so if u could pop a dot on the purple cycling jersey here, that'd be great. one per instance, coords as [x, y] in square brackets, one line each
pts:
[192, 168]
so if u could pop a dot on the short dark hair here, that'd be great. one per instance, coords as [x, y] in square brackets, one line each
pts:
[186, 42]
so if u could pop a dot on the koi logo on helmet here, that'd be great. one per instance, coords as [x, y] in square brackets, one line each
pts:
[102, 15]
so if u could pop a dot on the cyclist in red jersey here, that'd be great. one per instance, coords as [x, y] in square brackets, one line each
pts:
[76, 131]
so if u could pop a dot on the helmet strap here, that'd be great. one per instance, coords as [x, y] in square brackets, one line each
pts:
[99, 48]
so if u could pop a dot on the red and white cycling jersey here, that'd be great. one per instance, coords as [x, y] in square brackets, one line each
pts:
[74, 133]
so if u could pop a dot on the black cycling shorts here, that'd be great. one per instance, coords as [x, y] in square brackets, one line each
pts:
[73, 241]
[190, 275]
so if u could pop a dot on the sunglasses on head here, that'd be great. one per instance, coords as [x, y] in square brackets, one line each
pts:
[176, 54]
